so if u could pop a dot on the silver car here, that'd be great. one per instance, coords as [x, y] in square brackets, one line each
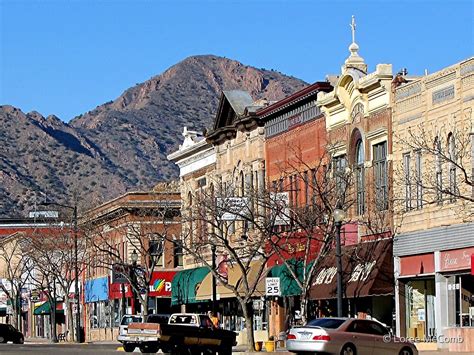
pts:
[346, 336]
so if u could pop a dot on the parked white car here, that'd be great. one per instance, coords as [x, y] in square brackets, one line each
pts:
[346, 336]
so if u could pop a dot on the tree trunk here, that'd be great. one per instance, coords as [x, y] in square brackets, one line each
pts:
[54, 337]
[248, 315]
[70, 319]
[303, 307]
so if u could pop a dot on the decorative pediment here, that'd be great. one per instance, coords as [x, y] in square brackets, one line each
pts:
[232, 106]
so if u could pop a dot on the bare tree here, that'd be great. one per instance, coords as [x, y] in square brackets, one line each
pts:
[52, 253]
[436, 168]
[16, 267]
[144, 230]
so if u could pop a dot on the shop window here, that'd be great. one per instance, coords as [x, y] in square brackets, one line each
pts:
[420, 309]
[460, 291]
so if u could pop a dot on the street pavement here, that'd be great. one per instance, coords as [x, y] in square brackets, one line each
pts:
[42, 348]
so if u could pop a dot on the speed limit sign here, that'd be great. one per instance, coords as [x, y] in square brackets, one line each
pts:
[272, 286]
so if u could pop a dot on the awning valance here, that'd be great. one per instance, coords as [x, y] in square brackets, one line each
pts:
[185, 283]
[45, 308]
[234, 274]
[367, 271]
[288, 284]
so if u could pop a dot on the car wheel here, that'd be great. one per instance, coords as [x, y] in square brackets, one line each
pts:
[148, 349]
[2, 339]
[20, 340]
[406, 351]
[128, 348]
[348, 349]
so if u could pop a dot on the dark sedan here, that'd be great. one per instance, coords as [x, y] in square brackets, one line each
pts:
[9, 333]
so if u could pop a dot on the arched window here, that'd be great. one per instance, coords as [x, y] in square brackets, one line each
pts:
[452, 167]
[359, 175]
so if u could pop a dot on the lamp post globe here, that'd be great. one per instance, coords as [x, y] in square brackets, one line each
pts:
[134, 257]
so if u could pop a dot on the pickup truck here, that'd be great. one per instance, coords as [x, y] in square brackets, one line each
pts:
[184, 333]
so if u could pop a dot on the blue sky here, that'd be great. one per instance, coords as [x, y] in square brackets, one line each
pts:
[65, 57]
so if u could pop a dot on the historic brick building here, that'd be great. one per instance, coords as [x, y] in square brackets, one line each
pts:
[143, 223]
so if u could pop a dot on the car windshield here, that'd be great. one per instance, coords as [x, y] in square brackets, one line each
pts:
[330, 323]
[126, 320]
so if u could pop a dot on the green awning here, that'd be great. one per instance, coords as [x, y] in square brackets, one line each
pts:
[288, 285]
[185, 283]
[45, 308]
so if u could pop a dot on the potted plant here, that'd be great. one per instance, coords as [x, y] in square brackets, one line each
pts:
[270, 344]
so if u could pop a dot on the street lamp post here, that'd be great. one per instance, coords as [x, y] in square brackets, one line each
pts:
[76, 267]
[214, 286]
[338, 218]
[133, 280]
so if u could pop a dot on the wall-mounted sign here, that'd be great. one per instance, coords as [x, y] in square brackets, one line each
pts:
[233, 208]
[458, 259]
[281, 202]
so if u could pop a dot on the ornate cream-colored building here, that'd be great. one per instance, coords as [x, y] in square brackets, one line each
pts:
[358, 124]
[433, 161]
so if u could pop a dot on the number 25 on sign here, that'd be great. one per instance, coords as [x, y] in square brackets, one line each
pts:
[272, 286]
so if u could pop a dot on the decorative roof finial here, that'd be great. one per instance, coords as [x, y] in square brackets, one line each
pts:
[353, 27]
[354, 60]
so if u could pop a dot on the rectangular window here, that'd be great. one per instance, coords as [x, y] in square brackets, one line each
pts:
[406, 171]
[419, 181]
[380, 169]
[306, 188]
[339, 171]
[313, 186]
[177, 254]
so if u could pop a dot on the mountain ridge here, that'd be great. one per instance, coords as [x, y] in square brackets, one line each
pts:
[122, 144]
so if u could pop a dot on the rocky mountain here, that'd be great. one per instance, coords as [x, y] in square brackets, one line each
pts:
[120, 145]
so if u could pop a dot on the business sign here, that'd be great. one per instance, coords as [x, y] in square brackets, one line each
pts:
[459, 259]
[44, 214]
[233, 208]
[281, 210]
[160, 283]
[119, 273]
[272, 286]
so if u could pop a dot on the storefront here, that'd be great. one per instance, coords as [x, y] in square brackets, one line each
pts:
[435, 287]
[368, 283]
[99, 317]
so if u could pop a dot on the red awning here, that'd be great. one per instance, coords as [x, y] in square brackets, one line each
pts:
[367, 271]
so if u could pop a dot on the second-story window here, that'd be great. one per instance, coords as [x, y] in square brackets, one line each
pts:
[453, 188]
[407, 178]
[438, 170]
[419, 179]
[380, 170]
[177, 254]
[156, 251]
[360, 176]
[339, 164]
